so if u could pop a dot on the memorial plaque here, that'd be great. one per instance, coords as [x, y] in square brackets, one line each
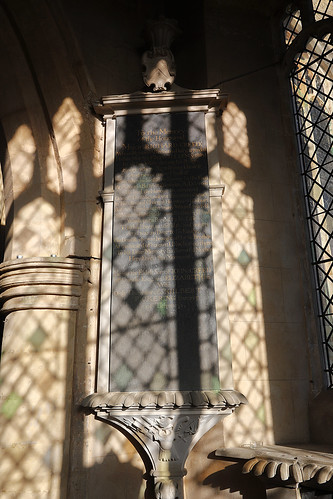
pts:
[163, 326]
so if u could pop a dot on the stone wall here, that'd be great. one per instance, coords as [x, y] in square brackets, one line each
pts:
[56, 58]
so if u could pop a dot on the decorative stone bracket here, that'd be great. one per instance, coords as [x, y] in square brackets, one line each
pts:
[165, 426]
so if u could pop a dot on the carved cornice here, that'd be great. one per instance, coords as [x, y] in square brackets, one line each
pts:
[40, 283]
[207, 399]
[283, 463]
[180, 99]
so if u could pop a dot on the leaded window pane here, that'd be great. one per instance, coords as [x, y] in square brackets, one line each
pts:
[312, 91]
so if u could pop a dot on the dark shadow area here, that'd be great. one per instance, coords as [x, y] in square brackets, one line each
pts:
[149, 489]
[231, 479]
[111, 479]
[125, 42]
[189, 48]
[312, 494]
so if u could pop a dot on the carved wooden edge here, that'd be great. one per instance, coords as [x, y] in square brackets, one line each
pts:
[219, 399]
[40, 283]
[283, 463]
[180, 99]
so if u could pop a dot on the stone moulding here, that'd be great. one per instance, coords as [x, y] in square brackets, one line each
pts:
[216, 191]
[283, 463]
[218, 399]
[165, 426]
[211, 100]
[40, 283]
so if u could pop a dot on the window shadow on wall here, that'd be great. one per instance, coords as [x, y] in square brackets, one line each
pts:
[44, 361]
[163, 298]
[264, 252]
[111, 478]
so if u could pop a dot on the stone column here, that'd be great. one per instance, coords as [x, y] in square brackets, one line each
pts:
[40, 297]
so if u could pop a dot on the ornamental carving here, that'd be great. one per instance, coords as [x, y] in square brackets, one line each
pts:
[166, 425]
[159, 69]
[166, 439]
[165, 430]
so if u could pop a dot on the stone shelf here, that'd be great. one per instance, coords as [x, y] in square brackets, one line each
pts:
[208, 399]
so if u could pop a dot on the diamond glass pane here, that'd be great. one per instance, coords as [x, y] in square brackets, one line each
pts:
[292, 26]
[322, 9]
[312, 90]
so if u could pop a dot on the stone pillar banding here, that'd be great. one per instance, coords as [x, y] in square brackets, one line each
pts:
[40, 283]
[40, 299]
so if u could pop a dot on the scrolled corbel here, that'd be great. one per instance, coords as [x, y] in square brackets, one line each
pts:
[164, 426]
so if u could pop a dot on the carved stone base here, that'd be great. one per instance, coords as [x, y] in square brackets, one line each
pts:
[165, 426]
